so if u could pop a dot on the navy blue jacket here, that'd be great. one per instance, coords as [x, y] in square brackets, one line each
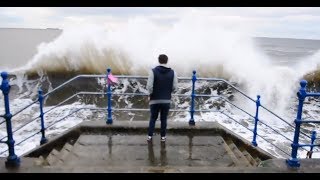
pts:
[162, 84]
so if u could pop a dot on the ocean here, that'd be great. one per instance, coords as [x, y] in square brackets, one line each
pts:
[270, 67]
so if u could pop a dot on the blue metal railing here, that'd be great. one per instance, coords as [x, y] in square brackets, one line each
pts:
[256, 119]
[15, 161]
[302, 94]
[192, 110]
[313, 138]
[194, 78]
[109, 93]
[43, 137]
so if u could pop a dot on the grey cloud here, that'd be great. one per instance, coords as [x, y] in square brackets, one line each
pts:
[101, 11]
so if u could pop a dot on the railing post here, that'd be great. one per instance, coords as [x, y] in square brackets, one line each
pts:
[43, 138]
[13, 160]
[313, 138]
[256, 119]
[294, 162]
[194, 78]
[109, 118]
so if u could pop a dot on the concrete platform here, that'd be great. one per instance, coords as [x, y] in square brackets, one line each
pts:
[94, 147]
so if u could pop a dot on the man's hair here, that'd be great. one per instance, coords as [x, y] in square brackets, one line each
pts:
[163, 59]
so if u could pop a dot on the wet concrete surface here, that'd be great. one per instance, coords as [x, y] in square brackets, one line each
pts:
[123, 148]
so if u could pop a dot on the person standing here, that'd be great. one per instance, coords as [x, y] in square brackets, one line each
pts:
[162, 81]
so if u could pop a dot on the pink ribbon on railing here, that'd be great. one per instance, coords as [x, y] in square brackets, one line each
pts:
[112, 79]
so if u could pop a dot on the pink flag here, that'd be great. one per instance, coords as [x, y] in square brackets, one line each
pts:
[112, 79]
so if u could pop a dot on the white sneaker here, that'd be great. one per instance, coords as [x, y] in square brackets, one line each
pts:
[149, 139]
[163, 139]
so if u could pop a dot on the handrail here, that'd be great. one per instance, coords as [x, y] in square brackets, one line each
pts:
[212, 79]
[302, 94]
[79, 93]
[257, 134]
[40, 131]
[22, 126]
[223, 80]
[144, 77]
[63, 118]
[2, 122]
[241, 92]
[225, 99]
[13, 160]
[274, 145]
[110, 110]
[32, 120]
[279, 133]
[276, 131]
[14, 114]
[276, 116]
[70, 80]
[21, 141]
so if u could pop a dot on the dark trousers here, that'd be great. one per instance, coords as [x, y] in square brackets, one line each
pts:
[154, 111]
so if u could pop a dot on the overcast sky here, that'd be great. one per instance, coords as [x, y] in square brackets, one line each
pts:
[286, 22]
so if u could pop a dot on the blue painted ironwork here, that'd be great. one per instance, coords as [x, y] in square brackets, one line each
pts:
[109, 93]
[73, 79]
[43, 137]
[302, 94]
[192, 108]
[245, 95]
[294, 162]
[313, 138]
[223, 80]
[310, 121]
[145, 77]
[194, 78]
[13, 160]
[252, 131]
[22, 141]
[256, 119]
[308, 145]
[14, 114]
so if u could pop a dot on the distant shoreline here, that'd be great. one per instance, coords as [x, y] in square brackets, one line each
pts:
[286, 38]
[1, 28]
[257, 37]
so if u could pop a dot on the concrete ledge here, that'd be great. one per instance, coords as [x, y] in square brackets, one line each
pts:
[306, 165]
[141, 127]
[280, 167]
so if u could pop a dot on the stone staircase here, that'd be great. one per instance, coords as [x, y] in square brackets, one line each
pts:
[241, 158]
[121, 152]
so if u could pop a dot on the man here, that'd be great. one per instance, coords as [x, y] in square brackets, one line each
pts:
[162, 81]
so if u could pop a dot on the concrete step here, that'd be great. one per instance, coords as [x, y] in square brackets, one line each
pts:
[258, 160]
[249, 158]
[242, 159]
[232, 156]
[64, 152]
[52, 157]
[41, 161]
